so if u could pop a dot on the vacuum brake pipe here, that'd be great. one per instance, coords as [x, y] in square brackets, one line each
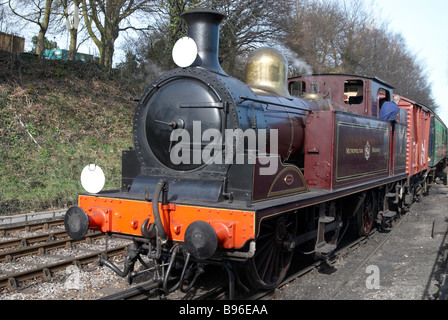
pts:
[161, 185]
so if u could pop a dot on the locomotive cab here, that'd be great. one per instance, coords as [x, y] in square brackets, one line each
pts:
[348, 93]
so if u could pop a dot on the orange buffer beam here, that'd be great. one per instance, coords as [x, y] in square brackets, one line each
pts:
[233, 227]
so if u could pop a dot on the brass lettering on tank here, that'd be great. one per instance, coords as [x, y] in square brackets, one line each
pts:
[267, 69]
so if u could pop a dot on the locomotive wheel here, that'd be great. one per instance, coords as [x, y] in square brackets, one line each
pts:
[366, 215]
[274, 251]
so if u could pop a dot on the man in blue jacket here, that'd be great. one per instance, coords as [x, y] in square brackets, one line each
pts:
[390, 109]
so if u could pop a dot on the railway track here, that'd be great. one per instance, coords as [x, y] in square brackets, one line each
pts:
[40, 244]
[44, 245]
[29, 227]
[141, 292]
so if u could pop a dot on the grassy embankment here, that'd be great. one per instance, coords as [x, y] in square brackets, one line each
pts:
[55, 118]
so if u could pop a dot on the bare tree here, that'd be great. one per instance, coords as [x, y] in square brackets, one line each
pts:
[337, 37]
[7, 24]
[37, 12]
[379, 52]
[109, 18]
[155, 46]
[69, 11]
[314, 29]
[249, 23]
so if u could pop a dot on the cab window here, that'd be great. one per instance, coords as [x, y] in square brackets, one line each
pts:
[297, 88]
[353, 91]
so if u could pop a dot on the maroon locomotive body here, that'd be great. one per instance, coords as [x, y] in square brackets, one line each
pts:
[346, 149]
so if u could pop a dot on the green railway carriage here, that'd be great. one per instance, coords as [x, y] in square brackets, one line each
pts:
[438, 142]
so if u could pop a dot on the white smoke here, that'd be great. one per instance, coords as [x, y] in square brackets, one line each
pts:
[301, 67]
[297, 66]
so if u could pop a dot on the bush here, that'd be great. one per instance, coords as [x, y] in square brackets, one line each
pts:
[57, 117]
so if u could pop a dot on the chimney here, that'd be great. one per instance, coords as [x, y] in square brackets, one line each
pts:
[203, 28]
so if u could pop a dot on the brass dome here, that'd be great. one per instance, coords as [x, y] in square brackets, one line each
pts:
[267, 69]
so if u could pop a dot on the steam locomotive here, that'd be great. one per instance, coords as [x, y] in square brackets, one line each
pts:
[244, 174]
